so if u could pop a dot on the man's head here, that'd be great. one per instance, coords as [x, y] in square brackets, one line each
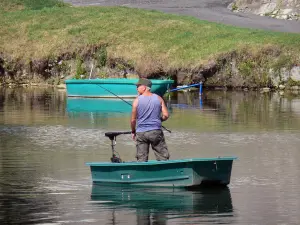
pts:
[143, 85]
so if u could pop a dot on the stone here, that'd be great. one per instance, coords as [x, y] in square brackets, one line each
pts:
[284, 74]
[283, 9]
[295, 73]
[285, 17]
[274, 77]
[294, 88]
[281, 86]
[267, 8]
[61, 86]
[286, 11]
[295, 92]
[265, 89]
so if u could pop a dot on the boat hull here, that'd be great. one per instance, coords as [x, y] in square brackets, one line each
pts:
[186, 173]
[109, 88]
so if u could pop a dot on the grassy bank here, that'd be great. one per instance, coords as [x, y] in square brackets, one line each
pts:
[15, 5]
[34, 29]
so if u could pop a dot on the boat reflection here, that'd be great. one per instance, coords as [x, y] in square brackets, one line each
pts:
[167, 204]
[99, 106]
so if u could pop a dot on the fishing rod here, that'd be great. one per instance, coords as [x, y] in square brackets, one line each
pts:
[127, 103]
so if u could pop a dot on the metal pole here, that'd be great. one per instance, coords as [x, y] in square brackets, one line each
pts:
[200, 88]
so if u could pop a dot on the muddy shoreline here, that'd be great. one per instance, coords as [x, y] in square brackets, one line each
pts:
[234, 70]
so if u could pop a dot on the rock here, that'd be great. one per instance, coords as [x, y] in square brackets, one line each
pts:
[285, 17]
[61, 86]
[295, 92]
[295, 88]
[266, 8]
[283, 9]
[69, 77]
[284, 74]
[265, 89]
[132, 76]
[274, 77]
[295, 73]
[286, 11]
[281, 86]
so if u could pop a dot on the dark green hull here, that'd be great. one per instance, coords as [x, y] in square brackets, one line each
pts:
[172, 173]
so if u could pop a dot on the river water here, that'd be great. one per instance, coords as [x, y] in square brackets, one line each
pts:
[46, 138]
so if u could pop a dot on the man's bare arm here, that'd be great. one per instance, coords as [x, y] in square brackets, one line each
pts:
[164, 109]
[133, 115]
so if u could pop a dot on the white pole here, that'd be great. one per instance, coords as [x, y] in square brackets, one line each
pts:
[91, 71]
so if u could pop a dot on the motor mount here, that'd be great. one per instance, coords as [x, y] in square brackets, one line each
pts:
[113, 137]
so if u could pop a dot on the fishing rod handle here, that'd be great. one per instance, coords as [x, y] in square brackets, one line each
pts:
[166, 129]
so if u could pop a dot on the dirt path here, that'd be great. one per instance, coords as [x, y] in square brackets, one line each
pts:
[210, 10]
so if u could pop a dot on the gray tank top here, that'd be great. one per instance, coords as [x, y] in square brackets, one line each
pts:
[148, 113]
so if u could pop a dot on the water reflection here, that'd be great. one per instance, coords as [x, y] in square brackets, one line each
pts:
[214, 110]
[21, 198]
[24, 207]
[158, 205]
[44, 145]
[98, 105]
[31, 105]
[236, 111]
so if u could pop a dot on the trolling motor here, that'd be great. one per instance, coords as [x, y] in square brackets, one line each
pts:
[113, 137]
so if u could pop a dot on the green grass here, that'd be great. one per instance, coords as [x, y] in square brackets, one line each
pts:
[144, 37]
[13, 5]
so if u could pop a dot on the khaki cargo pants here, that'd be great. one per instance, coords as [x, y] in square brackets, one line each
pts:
[157, 140]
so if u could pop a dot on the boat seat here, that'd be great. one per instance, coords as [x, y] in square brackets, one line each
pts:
[112, 135]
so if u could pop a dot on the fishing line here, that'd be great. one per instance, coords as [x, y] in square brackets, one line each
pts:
[128, 103]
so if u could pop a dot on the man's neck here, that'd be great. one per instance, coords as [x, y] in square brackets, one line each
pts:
[147, 93]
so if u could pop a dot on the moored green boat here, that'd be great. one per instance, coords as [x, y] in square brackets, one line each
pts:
[183, 173]
[109, 88]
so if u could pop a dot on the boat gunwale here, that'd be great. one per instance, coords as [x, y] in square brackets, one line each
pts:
[104, 96]
[115, 81]
[154, 162]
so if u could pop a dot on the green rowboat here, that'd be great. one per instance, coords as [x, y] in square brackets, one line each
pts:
[110, 88]
[183, 173]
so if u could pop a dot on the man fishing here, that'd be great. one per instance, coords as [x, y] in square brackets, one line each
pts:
[148, 112]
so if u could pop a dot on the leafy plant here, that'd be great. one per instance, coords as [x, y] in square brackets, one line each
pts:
[103, 75]
[234, 7]
[80, 70]
[246, 68]
[101, 56]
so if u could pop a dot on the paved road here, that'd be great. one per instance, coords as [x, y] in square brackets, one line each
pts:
[211, 10]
